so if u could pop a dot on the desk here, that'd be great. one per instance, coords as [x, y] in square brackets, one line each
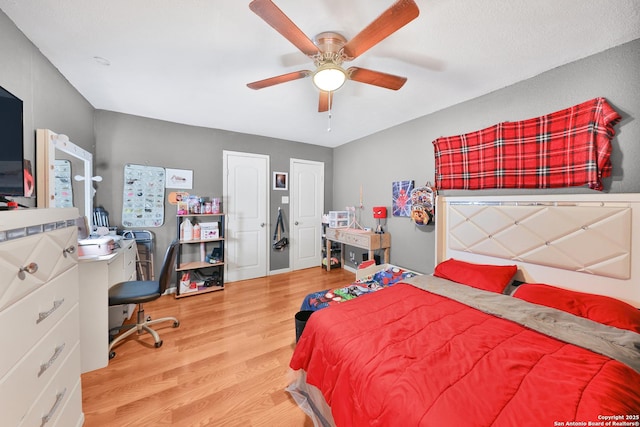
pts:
[97, 275]
[360, 239]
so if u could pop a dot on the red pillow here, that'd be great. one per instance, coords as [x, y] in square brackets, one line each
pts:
[494, 278]
[607, 310]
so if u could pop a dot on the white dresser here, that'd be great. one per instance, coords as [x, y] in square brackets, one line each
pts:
[39, 318]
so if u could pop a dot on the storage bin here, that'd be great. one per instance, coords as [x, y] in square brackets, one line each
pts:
[209, 230]
[338, 219]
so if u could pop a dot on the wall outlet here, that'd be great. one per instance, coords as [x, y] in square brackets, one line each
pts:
[352, 256]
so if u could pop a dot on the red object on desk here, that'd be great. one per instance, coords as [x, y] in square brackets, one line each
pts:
[379, 212]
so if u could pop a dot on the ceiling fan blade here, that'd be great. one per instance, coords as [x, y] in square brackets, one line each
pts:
[260, 84]
[376, 78]
[397, 16]
[280, 22]
[326, 100]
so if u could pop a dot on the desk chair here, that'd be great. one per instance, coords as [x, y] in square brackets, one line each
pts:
[139, 292]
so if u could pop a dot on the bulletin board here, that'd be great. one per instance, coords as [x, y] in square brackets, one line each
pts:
[143, 196]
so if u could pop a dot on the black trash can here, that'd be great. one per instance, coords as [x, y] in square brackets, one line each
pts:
[301, 321]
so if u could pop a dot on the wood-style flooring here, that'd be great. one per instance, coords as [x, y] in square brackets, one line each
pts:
[225, 365]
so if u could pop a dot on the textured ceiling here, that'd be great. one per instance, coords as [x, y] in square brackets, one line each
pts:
[189, 61]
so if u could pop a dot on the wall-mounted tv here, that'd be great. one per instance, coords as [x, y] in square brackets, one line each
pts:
[11, 145]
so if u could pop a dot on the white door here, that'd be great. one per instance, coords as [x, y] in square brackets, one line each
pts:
[245, 199]
[307, 205]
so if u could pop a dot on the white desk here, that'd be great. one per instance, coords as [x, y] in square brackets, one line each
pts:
[359, 239]
[97, 275]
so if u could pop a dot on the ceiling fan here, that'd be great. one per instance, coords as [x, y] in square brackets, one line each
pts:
[329, 50]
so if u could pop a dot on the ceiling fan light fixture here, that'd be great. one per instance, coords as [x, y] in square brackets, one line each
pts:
[329, 77]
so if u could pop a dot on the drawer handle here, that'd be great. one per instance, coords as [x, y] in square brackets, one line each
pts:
[44, 314]
[30, 268]
[68, 251]
[54, 408]
[53, 358]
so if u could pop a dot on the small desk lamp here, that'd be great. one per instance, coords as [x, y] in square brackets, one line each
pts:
[379, 212]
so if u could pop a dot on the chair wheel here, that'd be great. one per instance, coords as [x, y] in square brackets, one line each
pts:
[159, 344]
[176, 324]
[112, 355]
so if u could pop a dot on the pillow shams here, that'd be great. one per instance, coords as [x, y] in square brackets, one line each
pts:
[494, 278]
[601, 309]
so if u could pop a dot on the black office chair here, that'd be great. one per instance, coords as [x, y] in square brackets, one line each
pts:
[139, 292]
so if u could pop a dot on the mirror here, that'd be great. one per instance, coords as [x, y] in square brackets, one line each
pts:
[63, 166]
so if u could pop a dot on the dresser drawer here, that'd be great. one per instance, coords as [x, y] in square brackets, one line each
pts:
[27, 321]
[37, 368]
[348, 237]
[49, 251]
[356, 239]
[123, 267]
[52, 401]
[71, 414]
[130, 261]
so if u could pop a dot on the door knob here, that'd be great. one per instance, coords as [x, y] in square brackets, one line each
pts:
[262, 224]
[296, 223]
[30, 268]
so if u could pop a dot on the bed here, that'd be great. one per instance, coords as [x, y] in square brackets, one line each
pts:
[369, 278]
[460, 347]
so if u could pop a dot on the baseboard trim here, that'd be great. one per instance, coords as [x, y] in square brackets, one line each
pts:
[281, 271]
[349, 268]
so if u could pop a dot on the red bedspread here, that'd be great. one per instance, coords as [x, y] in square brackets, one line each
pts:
[567, 148]
[407, 357]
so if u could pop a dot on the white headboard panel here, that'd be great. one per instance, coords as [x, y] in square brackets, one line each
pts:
[583, 242]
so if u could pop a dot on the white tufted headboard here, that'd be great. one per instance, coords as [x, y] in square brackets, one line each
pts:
[583, 242]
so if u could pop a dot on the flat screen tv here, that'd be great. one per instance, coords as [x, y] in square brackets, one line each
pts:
[11, 145]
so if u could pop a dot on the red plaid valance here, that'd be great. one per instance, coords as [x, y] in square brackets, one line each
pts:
[567, 148]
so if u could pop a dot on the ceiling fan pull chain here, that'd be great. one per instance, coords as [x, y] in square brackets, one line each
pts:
[329, 119]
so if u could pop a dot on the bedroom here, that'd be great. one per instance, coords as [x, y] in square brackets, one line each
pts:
[612, 74]
[117, 139]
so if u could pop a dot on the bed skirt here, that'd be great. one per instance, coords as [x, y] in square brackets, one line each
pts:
[309, 399]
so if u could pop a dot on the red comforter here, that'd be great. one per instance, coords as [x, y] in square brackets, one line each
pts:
[407, 357]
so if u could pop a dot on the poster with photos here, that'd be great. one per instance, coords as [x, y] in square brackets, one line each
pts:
[401, 203]
[63, 185]
[143, 196]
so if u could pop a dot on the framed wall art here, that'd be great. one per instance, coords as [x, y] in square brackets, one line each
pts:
[179, 178]
[401, 193]
[280, 181]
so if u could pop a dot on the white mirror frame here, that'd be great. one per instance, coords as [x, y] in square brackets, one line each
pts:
[47, 142]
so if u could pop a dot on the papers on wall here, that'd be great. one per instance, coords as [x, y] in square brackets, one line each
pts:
[63, 184]
[143, 196]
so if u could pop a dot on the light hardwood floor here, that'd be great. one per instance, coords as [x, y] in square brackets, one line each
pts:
[225, 365]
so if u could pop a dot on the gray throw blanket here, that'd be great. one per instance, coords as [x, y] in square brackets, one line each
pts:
[619, 344]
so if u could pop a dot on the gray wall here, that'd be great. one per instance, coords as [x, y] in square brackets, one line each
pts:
[49, 101]
[123, 138]
[372, 162]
